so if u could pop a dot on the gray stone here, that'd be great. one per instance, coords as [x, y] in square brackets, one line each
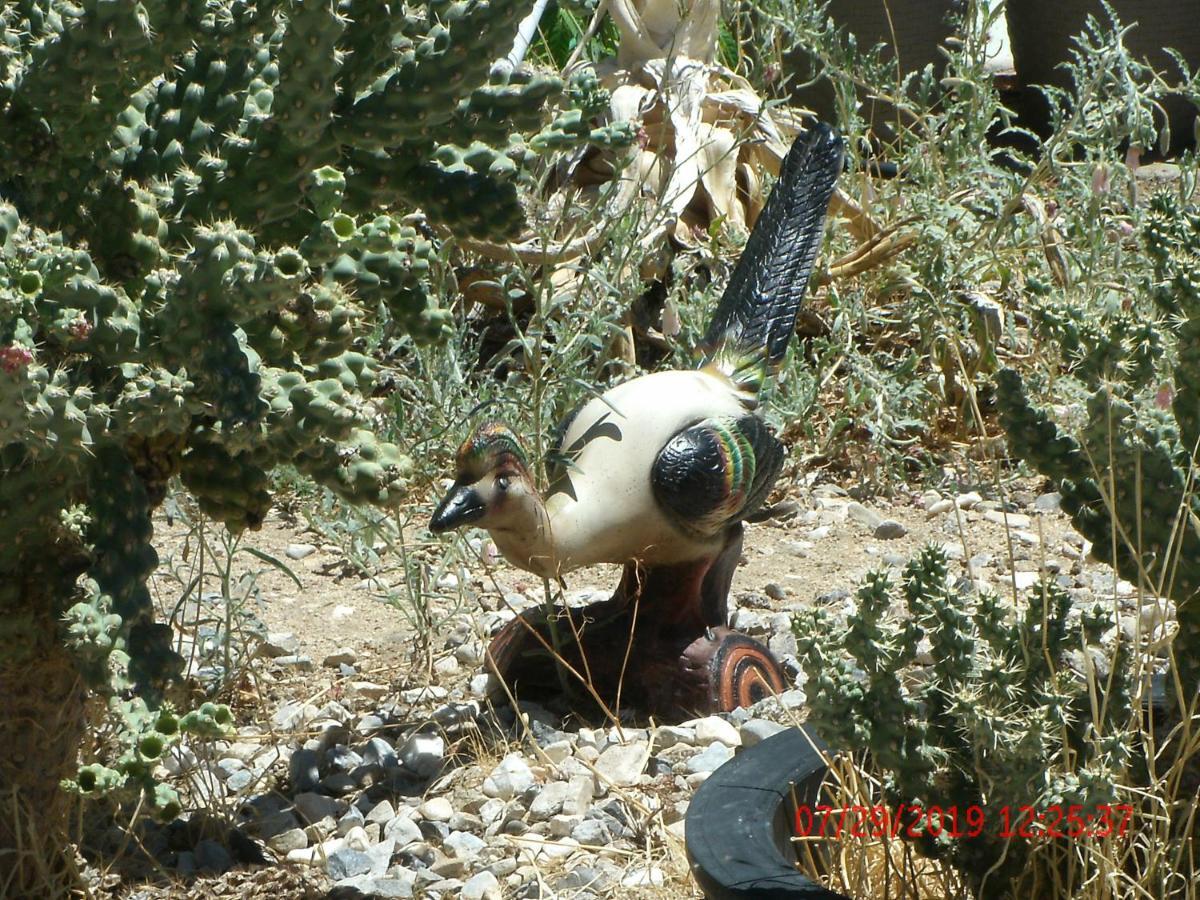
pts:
[304, 769]
[550, 800]
[481, 886]
[890, 530]
[287, 841]
[1051, 502]
[368, 724]
[315, 807]
[592, 833]
[463, 845]
[240, 780]
[782, 643]
[341, 656]
[622, 764]
[295, 661]
[756, 731]
[347, 863]
[423, 754]
[339, 784]
[293, 714]
[402, 830]
[278, 643]
[709, 759]
[669, 735]
[398, 884]
[379, 752]
[381, 813]
[299, 551]
[352, 819]
[212, 857]
[510, 778]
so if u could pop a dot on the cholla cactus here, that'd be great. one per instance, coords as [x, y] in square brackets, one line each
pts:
[984, 725]
[199, 202]
[1129, 473]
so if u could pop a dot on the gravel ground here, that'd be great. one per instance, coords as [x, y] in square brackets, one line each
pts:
[363, 767]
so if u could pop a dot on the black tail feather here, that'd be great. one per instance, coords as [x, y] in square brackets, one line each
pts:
[758, 309]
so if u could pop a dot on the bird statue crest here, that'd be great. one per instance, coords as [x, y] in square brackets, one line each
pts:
[658, 474]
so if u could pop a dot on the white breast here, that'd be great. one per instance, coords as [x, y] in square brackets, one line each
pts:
[613, 516]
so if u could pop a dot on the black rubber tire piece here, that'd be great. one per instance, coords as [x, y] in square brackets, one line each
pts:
[739, 823]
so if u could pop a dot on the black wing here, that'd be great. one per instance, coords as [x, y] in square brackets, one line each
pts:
[716, 472]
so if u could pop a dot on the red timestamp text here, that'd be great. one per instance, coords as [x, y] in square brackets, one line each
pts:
[914, 821]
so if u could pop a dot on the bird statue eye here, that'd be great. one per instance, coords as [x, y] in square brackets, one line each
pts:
[502, 483]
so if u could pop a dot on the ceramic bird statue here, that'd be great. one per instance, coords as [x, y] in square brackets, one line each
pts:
[659, 473]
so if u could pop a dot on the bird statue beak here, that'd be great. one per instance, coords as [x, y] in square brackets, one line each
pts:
[461, 506]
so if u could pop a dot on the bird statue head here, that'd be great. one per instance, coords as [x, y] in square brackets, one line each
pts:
[492, 485]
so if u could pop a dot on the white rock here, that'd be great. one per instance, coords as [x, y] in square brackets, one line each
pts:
[1024, 580]
[553, 797]
[423, 754]
[754, 731]
[714, 729]
[558, 751]
[402, 830]
[938, 507]
[510, 778]
[579, 800]
[292, 715]
[542, 850]
[316, 856]
[968, 500]
[356, 838]
[278, 643]
[437, 809]
[481, 886]
[463, 845]
[381, 813]
[1011, 520]
[299, 551]
[622, 764]
[431, 693]
[644, 876]
[669, 735]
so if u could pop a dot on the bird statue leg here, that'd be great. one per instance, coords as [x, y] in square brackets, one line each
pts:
[661, 643]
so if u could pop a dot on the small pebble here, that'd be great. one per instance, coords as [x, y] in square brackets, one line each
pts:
[889, 530]
[341, 656]
[968, 500]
